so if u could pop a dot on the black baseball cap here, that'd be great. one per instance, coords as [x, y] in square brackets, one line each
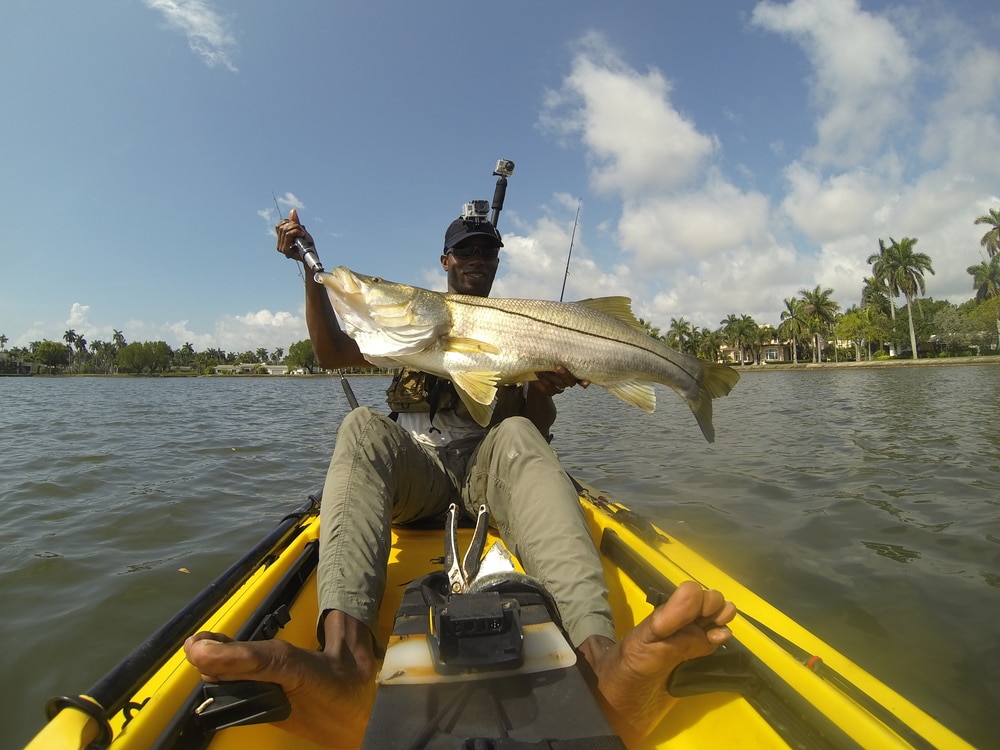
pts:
[462, 229]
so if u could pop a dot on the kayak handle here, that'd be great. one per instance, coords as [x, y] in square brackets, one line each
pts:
[240, 703]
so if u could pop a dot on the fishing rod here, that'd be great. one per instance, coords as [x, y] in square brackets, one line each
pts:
[570, 253]
[306, 252]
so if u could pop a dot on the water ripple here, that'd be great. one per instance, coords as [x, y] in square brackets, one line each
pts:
[862, 502]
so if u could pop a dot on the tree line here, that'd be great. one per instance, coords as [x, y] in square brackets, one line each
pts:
[811, 324]
[79, 356]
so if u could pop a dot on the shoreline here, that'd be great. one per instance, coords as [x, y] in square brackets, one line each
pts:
[992, 359]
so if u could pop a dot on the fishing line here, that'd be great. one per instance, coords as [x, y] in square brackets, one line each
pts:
[570, 253]
[307, 254]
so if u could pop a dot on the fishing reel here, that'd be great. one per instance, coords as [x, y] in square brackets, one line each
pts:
[307, 254]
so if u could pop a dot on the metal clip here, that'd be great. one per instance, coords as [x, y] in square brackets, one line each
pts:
[461, 574]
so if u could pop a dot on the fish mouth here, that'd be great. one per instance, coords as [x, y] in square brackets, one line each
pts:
[346, 293]
[341, 280]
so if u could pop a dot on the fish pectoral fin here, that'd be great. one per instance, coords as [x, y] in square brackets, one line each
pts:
[616, 307]
[477, 391]
[482, 413]
[467, 346]
[633, 392]
[481, 387]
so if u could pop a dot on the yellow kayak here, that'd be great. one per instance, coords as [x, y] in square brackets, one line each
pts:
[773, 685]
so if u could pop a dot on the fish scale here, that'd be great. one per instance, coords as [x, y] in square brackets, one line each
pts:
[481, 342]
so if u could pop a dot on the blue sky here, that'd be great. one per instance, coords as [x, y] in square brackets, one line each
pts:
[725, 154]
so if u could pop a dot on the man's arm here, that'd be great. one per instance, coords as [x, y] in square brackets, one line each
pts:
[333, 348]
[538, 404]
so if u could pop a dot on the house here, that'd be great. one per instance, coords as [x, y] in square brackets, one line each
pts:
[10, 366]
[772, 351]
[250, 368]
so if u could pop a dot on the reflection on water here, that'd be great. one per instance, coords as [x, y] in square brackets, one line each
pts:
[892, 551]
[862, 502]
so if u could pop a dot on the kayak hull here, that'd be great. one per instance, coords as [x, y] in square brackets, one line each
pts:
[792, 689]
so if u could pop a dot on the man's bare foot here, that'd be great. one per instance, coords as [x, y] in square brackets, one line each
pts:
[632, 674]
[330, 692]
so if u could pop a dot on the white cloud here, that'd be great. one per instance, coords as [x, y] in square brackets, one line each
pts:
[289, 201]
[77, 315]
[825, 208]
[862, 73]
[964, 130]
[259, 329]
[636, 140]
[207, 32]
[679, 228]
[907, 143]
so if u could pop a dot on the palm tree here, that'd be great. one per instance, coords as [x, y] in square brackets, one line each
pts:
[647, 326]
[905, 275]
[875, 294]
[753, 337]
[877, 306]
[679, 334]
[793, 324]
[81, 350]
[3, 341]
[708, 344]
[70, 338]
[986, 280]
[119, 339]
[820, 313]
[732, 333]
[991, 240]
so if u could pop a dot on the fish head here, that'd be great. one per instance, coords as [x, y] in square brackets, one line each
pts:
[386, 319]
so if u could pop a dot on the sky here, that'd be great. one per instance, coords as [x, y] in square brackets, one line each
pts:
[723, 156]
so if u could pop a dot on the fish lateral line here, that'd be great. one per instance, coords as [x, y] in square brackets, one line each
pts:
[563, 327]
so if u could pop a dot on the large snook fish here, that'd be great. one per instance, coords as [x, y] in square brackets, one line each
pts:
[480, 342]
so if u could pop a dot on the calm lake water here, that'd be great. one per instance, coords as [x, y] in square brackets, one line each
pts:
[864, 503]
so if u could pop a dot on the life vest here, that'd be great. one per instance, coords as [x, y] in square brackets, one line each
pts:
[415, 391]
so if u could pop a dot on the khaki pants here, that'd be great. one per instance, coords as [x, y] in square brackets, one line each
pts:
[380, 475]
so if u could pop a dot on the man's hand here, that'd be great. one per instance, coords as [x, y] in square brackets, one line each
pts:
[557, 381]
[287, 230]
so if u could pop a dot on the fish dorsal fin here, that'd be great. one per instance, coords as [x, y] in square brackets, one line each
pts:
[616, 307]
[635, 393]
[477, 391]
[467, 346]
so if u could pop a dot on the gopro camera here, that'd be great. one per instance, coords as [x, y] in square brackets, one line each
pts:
[475, 211]
[504, 168]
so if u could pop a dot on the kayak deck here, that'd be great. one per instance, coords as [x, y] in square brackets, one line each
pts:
[794, 690]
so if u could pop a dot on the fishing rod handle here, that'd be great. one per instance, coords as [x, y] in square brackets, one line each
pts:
[307, 254]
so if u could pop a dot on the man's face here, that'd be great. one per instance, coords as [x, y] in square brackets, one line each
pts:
[473, 275]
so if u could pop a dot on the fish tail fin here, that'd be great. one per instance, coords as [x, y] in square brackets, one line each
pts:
[716, 381]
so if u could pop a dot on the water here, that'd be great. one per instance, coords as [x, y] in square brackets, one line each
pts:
[864, 503]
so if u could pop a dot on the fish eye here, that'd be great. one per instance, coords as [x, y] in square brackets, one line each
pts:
[377, 279]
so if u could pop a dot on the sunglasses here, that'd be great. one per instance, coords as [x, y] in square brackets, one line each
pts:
[486, 253]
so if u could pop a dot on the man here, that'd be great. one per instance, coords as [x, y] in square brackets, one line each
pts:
[387, 471]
